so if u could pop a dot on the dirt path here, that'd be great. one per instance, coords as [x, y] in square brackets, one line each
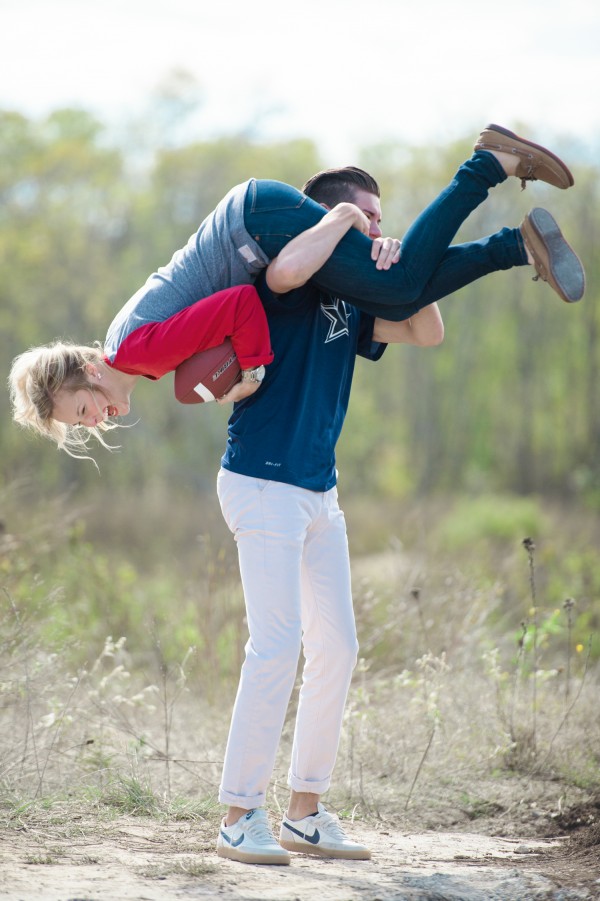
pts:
[138, 860]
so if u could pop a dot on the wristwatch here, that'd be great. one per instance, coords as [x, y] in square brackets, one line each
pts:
[253, 375]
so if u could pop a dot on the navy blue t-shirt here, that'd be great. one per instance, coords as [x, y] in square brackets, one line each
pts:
[288, 429]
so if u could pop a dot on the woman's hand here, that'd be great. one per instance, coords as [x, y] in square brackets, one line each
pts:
[385, 252]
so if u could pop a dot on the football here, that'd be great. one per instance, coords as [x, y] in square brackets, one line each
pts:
[207, 375]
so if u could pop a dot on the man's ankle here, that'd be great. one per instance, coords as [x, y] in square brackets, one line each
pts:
[302, 804]
[234, 814]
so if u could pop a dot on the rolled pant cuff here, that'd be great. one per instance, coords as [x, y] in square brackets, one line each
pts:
[247, 803]
[307, 785]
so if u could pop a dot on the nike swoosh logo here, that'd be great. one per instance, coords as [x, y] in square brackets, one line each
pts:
[235, 843]
[314, 839]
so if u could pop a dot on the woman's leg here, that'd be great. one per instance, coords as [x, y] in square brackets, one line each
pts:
[465, 263]
[275, 213]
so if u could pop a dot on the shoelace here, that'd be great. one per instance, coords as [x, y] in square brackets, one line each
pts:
[332, 824]
[260, 832]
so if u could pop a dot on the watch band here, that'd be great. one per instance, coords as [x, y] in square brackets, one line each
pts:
[253, 375]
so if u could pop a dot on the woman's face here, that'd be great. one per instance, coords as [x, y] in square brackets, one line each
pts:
[86, 406]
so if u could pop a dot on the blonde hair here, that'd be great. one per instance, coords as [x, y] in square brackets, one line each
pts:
[36, 377]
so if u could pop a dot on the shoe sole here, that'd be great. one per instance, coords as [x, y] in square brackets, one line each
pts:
[525, 144]
[282, 860]
[565, 266]
[315, 851]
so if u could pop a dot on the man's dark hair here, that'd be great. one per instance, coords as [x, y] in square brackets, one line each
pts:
[333, 186]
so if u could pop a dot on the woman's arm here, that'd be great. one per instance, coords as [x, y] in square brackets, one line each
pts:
[156, 348]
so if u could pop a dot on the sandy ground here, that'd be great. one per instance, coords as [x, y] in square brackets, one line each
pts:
[130, 859]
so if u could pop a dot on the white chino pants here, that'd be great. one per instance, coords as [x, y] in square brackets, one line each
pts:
[295, 569]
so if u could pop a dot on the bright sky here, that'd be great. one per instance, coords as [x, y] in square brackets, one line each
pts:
[346, 73]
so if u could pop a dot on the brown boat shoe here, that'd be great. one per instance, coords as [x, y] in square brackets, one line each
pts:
[554, 260]
[535, 162]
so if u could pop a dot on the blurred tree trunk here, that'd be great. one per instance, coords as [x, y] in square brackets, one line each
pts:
[524, 399]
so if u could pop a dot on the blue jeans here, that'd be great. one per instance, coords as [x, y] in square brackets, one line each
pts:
[429, 267]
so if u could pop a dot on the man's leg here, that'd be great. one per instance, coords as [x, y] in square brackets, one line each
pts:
[330, 649]
[269, 528]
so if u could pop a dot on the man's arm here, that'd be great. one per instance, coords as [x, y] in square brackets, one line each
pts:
[425, 329]
[306, 253]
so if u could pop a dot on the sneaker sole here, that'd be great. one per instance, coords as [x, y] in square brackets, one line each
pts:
[565, 266]
[282, 860]
[315, 851]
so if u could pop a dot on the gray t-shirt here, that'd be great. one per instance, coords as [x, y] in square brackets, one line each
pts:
[219, 255]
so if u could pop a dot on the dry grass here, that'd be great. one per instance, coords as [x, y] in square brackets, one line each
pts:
[442, 742]
[470, 703]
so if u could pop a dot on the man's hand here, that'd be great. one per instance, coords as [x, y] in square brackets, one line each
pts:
[352, 214]
[385, 252]
[239, 391]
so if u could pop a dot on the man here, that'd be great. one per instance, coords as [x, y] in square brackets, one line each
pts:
[278, 496]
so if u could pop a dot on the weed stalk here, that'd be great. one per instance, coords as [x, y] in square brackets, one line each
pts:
[529, 546]
[568, 606]
[29, 727]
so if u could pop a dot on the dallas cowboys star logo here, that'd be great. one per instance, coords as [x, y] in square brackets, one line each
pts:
[338, 315]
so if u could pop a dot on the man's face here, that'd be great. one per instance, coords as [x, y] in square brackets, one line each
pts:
[371, 207]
